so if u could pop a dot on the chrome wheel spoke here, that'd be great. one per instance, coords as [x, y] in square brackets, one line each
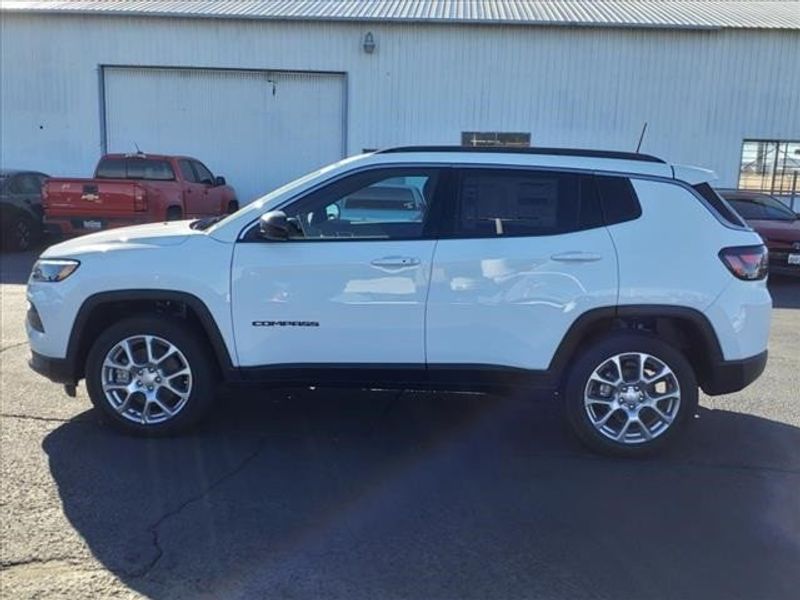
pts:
[623, 430]
[645, 430]
[182, 372]
[126, 348]
[661, 414]
[174, 390]
[600, 379]
[604, 419]
[172, 350]
[642, 361]
[618, 365]
[125, 404]
[605, 401]
[161, 405]
[148, 344]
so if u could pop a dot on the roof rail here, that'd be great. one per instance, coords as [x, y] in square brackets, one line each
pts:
[546, 151]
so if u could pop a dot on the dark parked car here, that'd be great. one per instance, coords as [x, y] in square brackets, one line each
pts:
[21, 208]
[775, 222]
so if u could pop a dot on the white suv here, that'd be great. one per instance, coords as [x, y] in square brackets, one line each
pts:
[616, 280]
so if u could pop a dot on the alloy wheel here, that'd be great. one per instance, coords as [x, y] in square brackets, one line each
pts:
[146, 379]
[632, 398]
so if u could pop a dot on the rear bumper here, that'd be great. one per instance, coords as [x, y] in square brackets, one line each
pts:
[729, 376]
[57, 370]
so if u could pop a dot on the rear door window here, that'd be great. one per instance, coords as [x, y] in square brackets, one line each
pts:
[520, 202]
[187, 171]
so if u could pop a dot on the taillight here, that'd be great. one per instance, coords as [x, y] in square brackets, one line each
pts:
[139, 200]
[746, 262]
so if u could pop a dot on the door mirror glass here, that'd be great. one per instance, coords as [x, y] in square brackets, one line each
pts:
[219, 180]
[273, 226]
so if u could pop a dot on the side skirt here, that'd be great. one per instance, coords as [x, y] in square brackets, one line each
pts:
[444, 377]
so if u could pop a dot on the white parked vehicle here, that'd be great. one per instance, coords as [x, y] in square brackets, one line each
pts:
[617, 280]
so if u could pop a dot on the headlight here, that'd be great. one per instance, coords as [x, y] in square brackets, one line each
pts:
[52, 270]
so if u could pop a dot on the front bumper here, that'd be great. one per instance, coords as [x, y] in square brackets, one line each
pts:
[57, 370]
[729, 376]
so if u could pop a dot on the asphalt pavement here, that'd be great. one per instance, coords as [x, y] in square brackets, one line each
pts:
[319, 493]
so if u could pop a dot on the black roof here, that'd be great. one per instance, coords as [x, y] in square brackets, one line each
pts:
[545, 151]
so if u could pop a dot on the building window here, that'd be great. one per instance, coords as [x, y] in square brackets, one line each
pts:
[495, 139]
[770, 166]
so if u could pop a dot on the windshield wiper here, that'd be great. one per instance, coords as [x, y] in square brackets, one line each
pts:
[205, 223]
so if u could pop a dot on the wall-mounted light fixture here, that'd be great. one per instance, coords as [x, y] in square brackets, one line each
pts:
[369, 43]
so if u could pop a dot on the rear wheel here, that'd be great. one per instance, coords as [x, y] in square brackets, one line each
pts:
[630, 394]
[150, 376]
[233, 206]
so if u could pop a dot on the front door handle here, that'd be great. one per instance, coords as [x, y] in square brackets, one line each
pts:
[576, 256]
[395, 262]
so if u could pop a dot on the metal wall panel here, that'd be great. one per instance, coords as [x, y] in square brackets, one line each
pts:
[259, 129]
[702, 92]
[605, 13]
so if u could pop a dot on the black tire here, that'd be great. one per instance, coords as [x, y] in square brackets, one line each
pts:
[622, 343]
[21, 234]
[233, 206]
[174, 213]
[194, 349]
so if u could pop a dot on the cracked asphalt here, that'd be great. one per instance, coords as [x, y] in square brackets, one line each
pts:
[390, 494]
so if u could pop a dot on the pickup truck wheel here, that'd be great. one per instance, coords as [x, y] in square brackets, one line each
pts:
[174, 213]
[233, 206]
[149, 376]
[630, 394]
[20, 234]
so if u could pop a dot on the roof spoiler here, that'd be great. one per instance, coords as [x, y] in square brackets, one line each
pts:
[693, 175]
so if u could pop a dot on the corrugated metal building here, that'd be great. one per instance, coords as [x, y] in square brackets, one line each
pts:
[266, 90]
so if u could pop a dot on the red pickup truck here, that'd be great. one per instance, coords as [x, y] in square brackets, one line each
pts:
[130, 189]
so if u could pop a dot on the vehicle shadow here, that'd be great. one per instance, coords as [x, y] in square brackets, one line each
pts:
[349, 494]
[785, 291]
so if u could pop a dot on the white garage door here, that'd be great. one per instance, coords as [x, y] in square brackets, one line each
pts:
[258, 129]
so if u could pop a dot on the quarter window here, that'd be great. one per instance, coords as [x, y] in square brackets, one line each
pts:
[507, 203]
[380, 204]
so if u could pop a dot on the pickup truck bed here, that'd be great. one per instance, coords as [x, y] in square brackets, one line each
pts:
[134, 189]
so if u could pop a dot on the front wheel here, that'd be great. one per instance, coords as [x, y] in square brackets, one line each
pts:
[149, 376]
[630, 394]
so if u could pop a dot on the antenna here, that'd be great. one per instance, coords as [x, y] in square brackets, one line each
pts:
[641, 138]
[140, 152]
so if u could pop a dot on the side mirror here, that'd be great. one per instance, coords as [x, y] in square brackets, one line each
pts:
[219, 180]
[274, 226]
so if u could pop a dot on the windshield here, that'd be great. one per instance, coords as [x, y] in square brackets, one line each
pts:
[266, 202]
[763, 208]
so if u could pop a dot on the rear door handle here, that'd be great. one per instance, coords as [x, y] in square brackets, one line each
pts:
[395, 262]
[576, 256]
